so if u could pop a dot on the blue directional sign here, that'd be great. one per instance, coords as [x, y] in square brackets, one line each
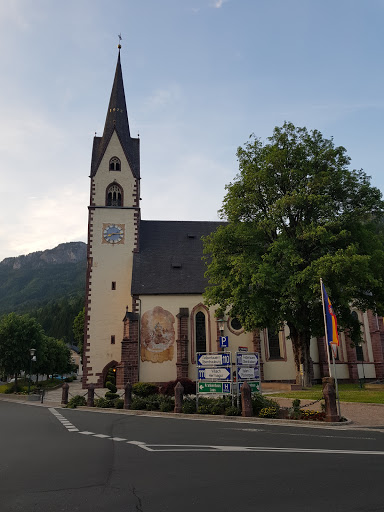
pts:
[247, 359]
[223, 341]
[209, 359]
[218, 373]
[226, 387]
[244, 373]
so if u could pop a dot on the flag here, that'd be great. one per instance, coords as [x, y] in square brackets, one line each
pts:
[330, 319]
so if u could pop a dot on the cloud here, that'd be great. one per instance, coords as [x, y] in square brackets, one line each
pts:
[161, 97]
[217, 4]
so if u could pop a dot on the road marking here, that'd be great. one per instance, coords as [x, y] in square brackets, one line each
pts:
[213, 448]
[300, 435]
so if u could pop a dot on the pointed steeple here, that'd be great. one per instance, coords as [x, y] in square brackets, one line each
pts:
[117, 120]
[117, 110]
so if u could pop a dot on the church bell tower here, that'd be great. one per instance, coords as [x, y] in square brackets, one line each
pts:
[113, 223]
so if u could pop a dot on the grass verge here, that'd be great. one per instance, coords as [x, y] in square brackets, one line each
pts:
[347, 392]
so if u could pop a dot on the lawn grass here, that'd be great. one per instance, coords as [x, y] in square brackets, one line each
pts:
[347, 392]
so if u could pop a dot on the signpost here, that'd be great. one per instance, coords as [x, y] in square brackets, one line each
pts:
[221, 373]
[253, 384]
[213, 359]
[215, 387]
[245, 373]
[223, 341]
[214, 373]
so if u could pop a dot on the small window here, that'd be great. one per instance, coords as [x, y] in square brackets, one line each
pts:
[112, 339]
[114, 196]
[359, 353]
[274, 344]
[114, 164]
[201, 337]
[113, 285]
[236, 324]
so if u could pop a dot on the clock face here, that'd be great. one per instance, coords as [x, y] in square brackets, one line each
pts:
[113, 233]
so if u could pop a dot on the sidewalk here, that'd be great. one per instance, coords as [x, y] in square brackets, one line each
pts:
[360, 415]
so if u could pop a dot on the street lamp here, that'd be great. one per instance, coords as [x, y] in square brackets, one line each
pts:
[33, 358]
[220, 323]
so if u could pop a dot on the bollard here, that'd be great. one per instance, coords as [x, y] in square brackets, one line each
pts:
[91, 396]
[42, 393]
[246, 402]
[329, 394]
[179, 391]
[64, 393]
[128, 396]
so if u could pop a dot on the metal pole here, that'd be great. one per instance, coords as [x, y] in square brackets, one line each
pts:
[30, 371]
[325, 327]
[336, 384]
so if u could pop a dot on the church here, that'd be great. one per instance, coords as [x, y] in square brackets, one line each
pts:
[144, 313]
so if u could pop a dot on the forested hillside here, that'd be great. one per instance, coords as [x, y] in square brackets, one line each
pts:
[49, 285]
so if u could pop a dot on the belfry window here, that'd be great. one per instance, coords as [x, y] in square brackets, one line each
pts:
[114, 164]
[114, 196]
[201, 337]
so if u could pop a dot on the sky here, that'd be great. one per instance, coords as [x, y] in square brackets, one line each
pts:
[200, 77]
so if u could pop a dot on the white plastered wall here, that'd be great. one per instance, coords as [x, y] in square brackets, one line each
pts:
[110, 262]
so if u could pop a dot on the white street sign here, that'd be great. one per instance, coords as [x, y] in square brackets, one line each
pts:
[214, 373]
[247, 358]
[248, 373]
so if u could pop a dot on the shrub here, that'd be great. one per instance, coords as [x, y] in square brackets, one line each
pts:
[143, 389]
[111, 386]
[268, 412]
[294, 411]
[104, 403]
[166, 404]
[119, 403]
[189, 406]
[260, 402]
[308, 414]
[76, 401]
[111, 396]
[232, 411]
[214, 405]
[189, 386]
[138, 403]
[153, 402]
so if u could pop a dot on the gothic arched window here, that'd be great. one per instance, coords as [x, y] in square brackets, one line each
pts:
[201, 337]
[114, 164]
[114, 195]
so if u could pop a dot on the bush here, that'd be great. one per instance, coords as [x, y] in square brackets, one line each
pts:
[189, 386]
[111, 386]
[138, 403]
[260, 402]
[214, 405]
[143, 389]
[189, 406]
[76, 401]
[119, 403]
[104, 403]
[166, 404]
[111, 396]
[232, 411]
[268, 412]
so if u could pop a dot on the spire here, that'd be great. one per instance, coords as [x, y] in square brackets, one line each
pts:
[117, 110]
[117, 120]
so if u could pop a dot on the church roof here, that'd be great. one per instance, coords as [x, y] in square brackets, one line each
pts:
[170, 257]
[117, 120]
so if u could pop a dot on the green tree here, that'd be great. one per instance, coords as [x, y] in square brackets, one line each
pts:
[296, 213]
[18, 334]
[78, 331]
[56, 357]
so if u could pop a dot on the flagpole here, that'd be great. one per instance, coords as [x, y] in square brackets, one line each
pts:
[336, 384]
[325, 328]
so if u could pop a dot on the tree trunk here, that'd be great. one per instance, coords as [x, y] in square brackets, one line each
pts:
[301, 351]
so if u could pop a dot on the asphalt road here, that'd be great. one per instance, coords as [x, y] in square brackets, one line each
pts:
[55, 460]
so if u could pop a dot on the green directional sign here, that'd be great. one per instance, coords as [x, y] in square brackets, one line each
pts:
[254, 385]
[214, 387]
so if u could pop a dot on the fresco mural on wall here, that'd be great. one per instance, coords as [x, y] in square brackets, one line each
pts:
[157, 335]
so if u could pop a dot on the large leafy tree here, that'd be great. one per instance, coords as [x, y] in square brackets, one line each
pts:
[18, 334]
[295, 213]
[78, 330]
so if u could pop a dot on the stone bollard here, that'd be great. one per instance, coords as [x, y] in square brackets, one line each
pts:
[179, 392]
[246, 402]
[329, 394]
[128, 396]
[91, 396]
[64, 393]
